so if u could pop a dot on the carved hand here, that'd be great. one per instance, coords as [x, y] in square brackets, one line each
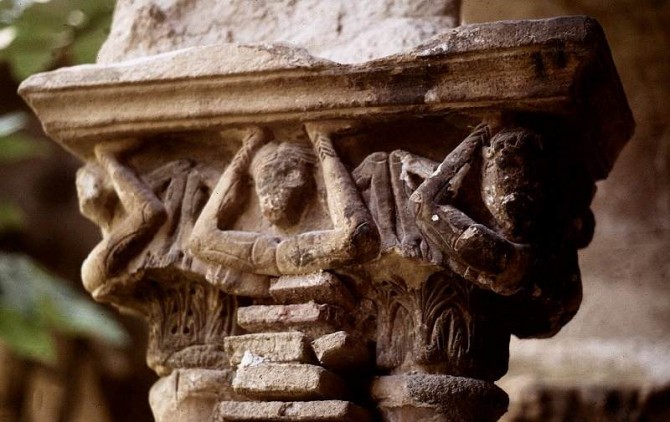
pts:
[503, 264]
[95, 192]
[113, 149]
[457, 159]
[329, 128]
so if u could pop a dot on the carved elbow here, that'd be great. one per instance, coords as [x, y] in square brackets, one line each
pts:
[420, 208]
[199, 239]
[199, 235]
[153, 213]
[195, 244]
[364, 242]
[290, 258]
[503, 265]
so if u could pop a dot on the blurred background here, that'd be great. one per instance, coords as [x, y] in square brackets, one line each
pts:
[65, 358]
[62, 356]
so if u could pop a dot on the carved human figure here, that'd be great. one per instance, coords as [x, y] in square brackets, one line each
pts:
[386, 180]
[485, 254]
[444, 234]
[516, 242]
[282, 177]
[503, 260]
[166, 200]
[98, 186]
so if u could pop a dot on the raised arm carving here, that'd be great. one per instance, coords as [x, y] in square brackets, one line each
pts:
[477, 252]
[353, 236]
[246, 251]
[144, 216]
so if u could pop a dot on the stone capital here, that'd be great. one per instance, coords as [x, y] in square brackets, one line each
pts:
[312, 239]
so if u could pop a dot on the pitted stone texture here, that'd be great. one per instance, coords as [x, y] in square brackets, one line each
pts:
[321, 287]
[438, 398]
[271, 347]
[340, 30]
[287, 381]
[340, 351]
[313, 411]
[190, 394]
[313, 319]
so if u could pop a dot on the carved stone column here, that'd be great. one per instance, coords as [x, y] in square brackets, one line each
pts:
[317, 241]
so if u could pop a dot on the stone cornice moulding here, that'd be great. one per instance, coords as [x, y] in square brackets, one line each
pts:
[559, 66]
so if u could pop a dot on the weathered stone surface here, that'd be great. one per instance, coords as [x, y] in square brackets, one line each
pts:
[271, 347]
[516, 64]
[311, 318]
[335, 29]
[287, 381]
[188, 395]
[340, 350]
[321, 287]
[622, 326]
[188, 323]
[239, 284]
[438, 398]
[277, 165]
[312, 411]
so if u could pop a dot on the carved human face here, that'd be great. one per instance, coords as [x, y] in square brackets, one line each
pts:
[512, 182]
[282, 186]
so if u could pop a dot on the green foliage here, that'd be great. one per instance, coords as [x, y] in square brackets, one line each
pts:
[38, 35]
[33, 304]
[41, 35]
[11, 218]
[15, 145]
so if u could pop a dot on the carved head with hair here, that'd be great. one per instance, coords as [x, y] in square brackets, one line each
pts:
[514, 182]
[283, 180]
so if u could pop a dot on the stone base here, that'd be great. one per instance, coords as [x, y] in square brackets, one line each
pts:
[188, 395]
[288, 381]
[315, 411]
[438, 398]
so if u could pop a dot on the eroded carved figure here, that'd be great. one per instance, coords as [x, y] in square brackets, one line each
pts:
[100, 184]
[133, 211]
[506, 260]
[444, 260]
[511, 192]
[282, 179]
[146, 220]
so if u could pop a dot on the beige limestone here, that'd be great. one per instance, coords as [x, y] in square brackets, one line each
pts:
[311, 318]
[341, 350]
[190, 394]
[321, 287]
[621, 336]
[336, 29]
[181, 91]
[313, 411]
[287, 381]
[438, 398]
[271, 347]
[216, 170]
